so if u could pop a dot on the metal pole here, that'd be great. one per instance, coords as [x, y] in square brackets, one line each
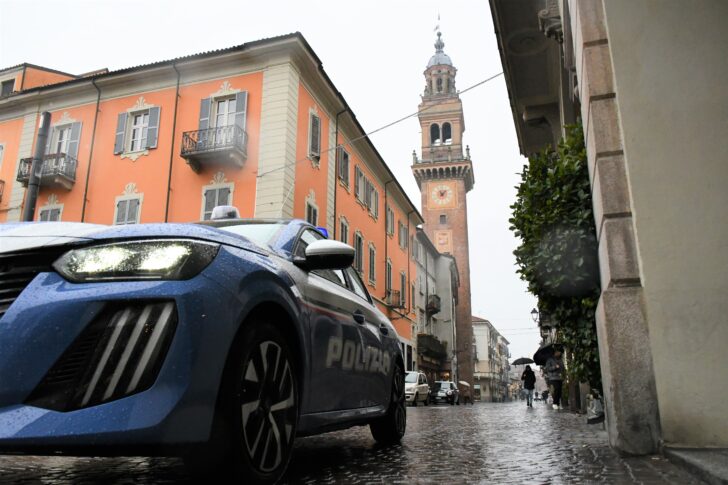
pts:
[36, 166]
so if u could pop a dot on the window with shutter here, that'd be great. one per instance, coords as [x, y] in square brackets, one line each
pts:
[372, 264]
[50, 214]
[388, 277]
[314, 138]
[344, 232]
[214, 196]
[402, 288]
[359, 252]
[343, 157]
[127, 210]
[311, 214]
[359, 184]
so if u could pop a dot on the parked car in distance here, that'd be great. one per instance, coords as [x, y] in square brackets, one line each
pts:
[416, 388]
[445, 391]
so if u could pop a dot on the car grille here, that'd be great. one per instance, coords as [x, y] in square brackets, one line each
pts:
[17, 270]
[120, 353]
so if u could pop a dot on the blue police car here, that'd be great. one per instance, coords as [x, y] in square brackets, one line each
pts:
[219, 342]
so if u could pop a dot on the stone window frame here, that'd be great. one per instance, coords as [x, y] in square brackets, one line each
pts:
[218, 182]
[372, 273]
[130, 193]
[51, 205]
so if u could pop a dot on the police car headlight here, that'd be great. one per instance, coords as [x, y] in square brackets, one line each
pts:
[158, 259]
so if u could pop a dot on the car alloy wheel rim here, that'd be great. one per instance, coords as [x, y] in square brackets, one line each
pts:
[400, 413]
[268, 406]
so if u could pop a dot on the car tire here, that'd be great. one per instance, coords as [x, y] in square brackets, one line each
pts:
[390, 428]
[414, 400]
[254, 402]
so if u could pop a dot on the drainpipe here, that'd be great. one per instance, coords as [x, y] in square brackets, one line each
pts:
[409, 255]
[171, 150]
[36, 166]
[386, 237]
[336, 163]
[91, 152]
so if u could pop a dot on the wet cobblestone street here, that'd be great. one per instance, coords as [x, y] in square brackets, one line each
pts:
[484, 443]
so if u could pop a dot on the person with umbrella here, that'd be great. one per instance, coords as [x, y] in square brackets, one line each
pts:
[555, 373]
[529, 382]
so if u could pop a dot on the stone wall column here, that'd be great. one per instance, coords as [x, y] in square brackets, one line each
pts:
[624, 347]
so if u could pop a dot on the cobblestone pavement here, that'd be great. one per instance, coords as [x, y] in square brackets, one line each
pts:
[484, 443]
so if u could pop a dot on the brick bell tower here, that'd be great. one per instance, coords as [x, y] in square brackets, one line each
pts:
[444, 174]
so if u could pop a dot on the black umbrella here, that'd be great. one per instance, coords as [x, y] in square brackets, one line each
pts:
[522, 360]
[543, 354]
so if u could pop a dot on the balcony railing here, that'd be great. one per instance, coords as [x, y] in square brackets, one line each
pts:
[433, 304]
[58, 170]
[215, 146]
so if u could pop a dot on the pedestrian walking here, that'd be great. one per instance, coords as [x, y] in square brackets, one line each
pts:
[529, 382]
[555, 373]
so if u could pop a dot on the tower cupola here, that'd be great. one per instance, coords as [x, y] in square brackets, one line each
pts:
[440, 72]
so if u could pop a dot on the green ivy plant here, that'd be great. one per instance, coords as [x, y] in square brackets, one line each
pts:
[557, 256]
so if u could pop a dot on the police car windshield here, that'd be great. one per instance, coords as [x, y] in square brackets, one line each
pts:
[411, 377]
[259, 232]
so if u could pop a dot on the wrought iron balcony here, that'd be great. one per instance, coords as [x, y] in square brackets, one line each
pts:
[59, 170]
[215, 146]
[433, 304]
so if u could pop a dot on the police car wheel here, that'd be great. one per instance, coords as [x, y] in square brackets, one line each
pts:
[390, 428]
[266, 404]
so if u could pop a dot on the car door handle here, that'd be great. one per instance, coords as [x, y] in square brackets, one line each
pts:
[383, 329]
[359, 316]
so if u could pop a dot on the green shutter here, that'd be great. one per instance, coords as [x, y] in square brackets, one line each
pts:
[73, 140]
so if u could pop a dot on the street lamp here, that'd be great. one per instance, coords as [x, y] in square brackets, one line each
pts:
[534, 315]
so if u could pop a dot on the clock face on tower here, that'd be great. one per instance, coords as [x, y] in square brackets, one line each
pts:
[442, 195]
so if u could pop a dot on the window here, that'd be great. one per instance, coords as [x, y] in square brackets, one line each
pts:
[388, 277]
[356, 284]
[443, 219]
[358, 252]
[372, 263]
[61, 136]
[373, 200]
[127, 211]
[359, 184]
[402, 289]
[224, 112]
[344, 232]
[434, 134]
[213, 196]
[412, 297]
[7, 87]
[402, 235]
[136, 131]
[311, 214]
[390, 221]
[314, 135]
[343, 157]
[50, 214]
[139, 129]
[439, 84]
[446, 133]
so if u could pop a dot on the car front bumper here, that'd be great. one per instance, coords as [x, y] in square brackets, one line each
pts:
[39, 340]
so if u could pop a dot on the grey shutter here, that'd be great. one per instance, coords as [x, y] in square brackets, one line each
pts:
[209, 203]
[121, 211]
[315, 135]
[153, 128]
[131, 216]
[73, 141]
[55, 215]
[205, 105]
[44, 214]
[241, 109]
[120, 131]
[223, 196]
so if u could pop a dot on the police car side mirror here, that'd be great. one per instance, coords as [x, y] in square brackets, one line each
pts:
[326, 254]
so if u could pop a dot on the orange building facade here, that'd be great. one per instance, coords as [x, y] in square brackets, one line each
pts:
[255, 126]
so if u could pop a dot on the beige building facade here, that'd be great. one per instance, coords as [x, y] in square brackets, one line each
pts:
[647, 80]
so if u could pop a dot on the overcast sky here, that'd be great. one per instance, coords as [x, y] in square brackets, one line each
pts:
[375, 52]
